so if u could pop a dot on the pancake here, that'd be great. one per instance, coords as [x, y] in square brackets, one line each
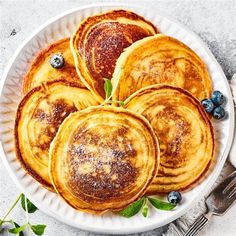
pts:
[184, 132]
[40, 69]
[103, 158]
[98, 42]
[160, 59]
[38, 117]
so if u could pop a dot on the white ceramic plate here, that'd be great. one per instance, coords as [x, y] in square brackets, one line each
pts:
[50, 203]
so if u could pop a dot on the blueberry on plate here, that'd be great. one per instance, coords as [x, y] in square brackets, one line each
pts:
[218, 113]
[57, 61]
[217, 98]
[208, 105]
[174, 197]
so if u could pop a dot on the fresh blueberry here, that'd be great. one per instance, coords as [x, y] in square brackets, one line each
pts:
[218, 113]
[217, 98]
[174, 197]
[208, 105]
[57, 61]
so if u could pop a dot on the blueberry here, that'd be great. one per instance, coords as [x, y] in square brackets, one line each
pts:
[217, 98]
[208, 105]
[57, 61]
[174, 197]
[218, 113]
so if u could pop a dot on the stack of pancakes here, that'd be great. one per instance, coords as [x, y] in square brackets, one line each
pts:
[100, 157]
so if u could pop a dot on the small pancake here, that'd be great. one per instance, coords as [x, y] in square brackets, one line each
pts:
[160, 59]
[38, 117]
[98, 42]
[103, 158]
[40, 69]
[184, 131]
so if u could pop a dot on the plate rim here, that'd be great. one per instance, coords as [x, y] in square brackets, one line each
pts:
[215, 172]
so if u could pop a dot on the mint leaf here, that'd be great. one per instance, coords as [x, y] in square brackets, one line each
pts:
[122, 103]
[145, 209]
[17, 229]
[132, 209]
[17, 226]
[161, 205]
[107, 88]
[31, 207]
[38, 229]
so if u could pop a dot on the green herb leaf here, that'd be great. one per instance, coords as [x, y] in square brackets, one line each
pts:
[107, 88]
[38, 229]
[145, 210]
[17, 226]
[18, 230]
[122, 103]
[132, 209]
[10, 209]
[31, 207]
[166, 206]
[116, 101]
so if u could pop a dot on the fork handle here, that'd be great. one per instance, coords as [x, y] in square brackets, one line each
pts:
[198, 225]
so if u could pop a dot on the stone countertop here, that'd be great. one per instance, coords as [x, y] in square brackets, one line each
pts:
[213, 20]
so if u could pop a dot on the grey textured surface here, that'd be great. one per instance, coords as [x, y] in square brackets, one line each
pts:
[213, 20]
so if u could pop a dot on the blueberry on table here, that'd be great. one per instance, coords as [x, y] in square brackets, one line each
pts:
[217, 98]
[174, 197]
[57, 61]
[208, 105]
[218, 113]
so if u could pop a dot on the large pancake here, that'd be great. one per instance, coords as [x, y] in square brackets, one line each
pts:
[103, 158]
[40, 69]
[38, 117]
[98, 42]
[160, 59]
[184, 132]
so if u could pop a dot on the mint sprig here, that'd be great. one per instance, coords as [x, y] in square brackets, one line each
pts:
[17, 226]
[38, 229]
[142, 204]
[108, 91]
[132, 209]
[161, 205]
[18, 229]
[28, 207]
[107, 88]
[145, 209]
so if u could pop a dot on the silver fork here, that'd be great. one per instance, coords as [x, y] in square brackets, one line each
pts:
[217, 202]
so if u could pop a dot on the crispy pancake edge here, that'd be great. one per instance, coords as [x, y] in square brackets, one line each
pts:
[204, 115]
[124, 56]
[79, 30]
[37, 60]
[120, 110]
[16, 137]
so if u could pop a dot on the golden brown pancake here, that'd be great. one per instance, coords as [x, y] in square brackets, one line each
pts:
[38, 118]
[98, 42]
[40, 69]
[184, 132]
[103, 158]
[160, 59]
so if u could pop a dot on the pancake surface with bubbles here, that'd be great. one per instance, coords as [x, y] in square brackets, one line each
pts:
[39, 115]
[184, 131]
[160, 59]
[103, 158]
[98, 42]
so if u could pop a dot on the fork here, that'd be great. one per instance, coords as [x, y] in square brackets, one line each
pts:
[217, 202]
